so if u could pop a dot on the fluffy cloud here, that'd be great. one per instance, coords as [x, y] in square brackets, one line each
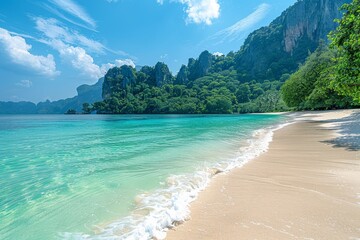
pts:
[73, 48]
[128, 62]
[79, 59]
[118, 63]
[200, 11]
[18, 51]
[218, 54]
[83, 62]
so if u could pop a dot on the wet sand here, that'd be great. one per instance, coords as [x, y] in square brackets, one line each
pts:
[302, 188]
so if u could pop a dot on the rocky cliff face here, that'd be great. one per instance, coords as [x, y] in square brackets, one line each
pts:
[90, 93]
[201, 66]
[311, 19]
[280, 47]
[205, 62]
[162, 74]
[128, 75]
[86, 94]
[182, 76]
[147, 75]
[117, 78]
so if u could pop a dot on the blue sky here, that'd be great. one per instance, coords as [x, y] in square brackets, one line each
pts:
[49, 47]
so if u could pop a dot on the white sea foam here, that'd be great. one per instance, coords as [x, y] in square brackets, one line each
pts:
[156, 212]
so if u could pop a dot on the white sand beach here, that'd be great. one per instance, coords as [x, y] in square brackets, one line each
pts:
[302, 188]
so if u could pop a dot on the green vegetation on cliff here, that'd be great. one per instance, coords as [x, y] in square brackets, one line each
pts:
[209, 84]
[330, 78]
[346, 39]
[245, 81]
[309, 87]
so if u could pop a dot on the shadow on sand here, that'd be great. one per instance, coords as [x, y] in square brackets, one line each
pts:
[349, 128]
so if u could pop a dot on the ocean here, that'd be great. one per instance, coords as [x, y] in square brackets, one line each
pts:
[115, 177]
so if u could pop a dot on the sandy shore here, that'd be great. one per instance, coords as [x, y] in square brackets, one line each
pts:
[302, 188]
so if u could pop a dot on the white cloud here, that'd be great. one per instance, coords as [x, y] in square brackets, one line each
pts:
[61, 15]
[233, 32]
[24, 83]
[218, 54]
[73, 47]
[79, 59]
[200, 11]
[118, 63]
[23, 35]
[90, 44]
[83, 62]
[18, 51]
[128, 62]
[75, 10]
[53, 29]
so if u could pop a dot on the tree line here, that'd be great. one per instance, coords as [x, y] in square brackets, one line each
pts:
[216, 84]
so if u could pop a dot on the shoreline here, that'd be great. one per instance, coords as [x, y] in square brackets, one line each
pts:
[301, 188]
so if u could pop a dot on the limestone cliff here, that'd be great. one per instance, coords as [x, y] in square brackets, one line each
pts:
[183, 76]
[117, 78]
[162, 74]
[311, 19]
[201, 66]
[279, 48]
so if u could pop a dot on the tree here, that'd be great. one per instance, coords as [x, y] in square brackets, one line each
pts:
[209, 84]
[87, 108]
[71, 111]
[99, 107]
[346, 38]
[218, 104]
[309, 87]
[269, 101]
[243, 93]
[301, 84]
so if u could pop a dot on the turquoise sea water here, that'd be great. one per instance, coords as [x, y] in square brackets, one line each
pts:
[112, 177]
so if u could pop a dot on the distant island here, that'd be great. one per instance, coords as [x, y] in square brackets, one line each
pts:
[287, 65]
[86, 94]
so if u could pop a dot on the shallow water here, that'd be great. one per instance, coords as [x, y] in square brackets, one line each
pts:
[89, 176]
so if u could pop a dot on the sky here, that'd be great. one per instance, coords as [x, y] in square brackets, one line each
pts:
[50, 47]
